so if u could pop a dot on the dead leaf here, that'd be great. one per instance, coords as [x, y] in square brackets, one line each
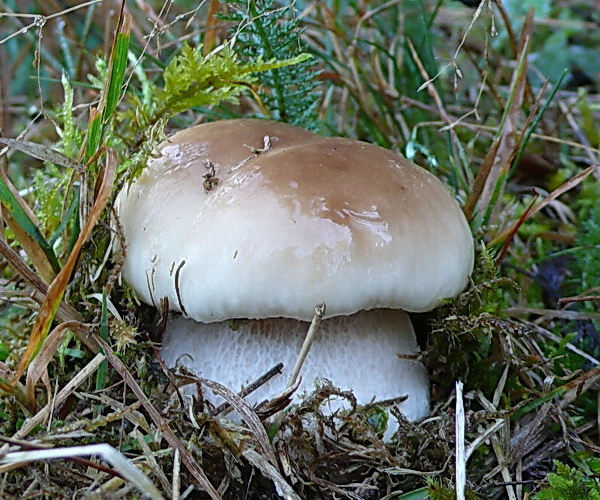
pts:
[43, 153]
[39, 366]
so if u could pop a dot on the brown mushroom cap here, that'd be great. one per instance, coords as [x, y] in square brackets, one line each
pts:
[309, 220]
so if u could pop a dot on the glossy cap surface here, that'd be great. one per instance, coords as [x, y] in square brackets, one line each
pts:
[225, 230]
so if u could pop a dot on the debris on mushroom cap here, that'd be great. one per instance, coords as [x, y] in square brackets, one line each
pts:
[290, 219]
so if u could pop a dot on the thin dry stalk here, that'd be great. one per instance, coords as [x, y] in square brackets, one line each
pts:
[581, 136]
[559, 191]
[39, 285]
[38, 369]
[437, 99]
[249, 416]
[159, 421]
[461, 459]
[491, 178]
[268, 470]
[551, 313]
[176, 487]
[107, 452]
[251, 387]
[153, 464]
[308, 340]
[571, 300]
[40, 417]
[488, 129]
[555, 338]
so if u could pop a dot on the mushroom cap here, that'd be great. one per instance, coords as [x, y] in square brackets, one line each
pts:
[309, 220]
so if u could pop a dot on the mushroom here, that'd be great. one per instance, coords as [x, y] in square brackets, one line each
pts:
[246, 225]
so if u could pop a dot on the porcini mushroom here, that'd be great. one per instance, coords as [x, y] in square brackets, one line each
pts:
[258, 221]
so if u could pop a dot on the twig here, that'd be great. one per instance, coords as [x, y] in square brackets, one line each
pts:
[569, 300]
[532, 210]
[461, 459]
[581, 135]
[250, 388]
[488, 130]
[568, 345]
[484, 436]
[551, 313]
[432, 91]
[176, 475]
[308, 340]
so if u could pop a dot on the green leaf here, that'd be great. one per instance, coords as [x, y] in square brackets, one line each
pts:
[20, 215]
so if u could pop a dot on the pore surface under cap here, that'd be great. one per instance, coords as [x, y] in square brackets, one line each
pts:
[358, 353]
[307, 221]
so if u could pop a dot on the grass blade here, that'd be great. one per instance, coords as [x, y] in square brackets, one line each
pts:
[118, 66]
[58, 287]
[113, 87]
[109, 454]
[42, 152]
[36, 246]
[102, 373]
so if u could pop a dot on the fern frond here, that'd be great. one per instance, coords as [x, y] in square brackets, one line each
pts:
[267, 31]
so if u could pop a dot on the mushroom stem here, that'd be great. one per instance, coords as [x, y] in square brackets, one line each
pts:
[357, 352]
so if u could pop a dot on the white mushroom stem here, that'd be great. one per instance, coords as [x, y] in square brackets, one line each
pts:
[358, 352]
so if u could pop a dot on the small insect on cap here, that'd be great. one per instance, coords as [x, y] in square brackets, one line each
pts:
[257, 219]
